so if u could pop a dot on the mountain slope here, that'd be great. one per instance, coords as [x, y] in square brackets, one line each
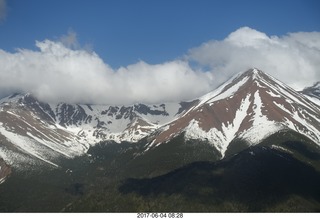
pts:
[28, 133]
[250, 106]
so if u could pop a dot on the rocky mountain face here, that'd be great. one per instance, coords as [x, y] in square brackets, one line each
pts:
[250, 106]
[35, 132]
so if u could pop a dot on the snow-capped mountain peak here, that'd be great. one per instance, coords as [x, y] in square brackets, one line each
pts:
[251, 106]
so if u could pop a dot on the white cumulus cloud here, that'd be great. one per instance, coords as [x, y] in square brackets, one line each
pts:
[293, 58]
[57, 73]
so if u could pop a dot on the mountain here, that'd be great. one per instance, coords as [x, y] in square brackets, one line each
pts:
[33, 132]
[253, 144]
[249, 107]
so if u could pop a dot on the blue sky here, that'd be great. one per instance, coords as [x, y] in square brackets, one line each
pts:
[126, 51]
[123, 32]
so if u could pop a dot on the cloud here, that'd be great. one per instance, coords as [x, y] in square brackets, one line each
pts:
[57, 73]
[293, 58]
[63, 71]
[70, 40]
[3, 10]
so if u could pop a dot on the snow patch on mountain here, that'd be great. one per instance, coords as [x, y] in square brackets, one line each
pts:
[219, 139]
[259, 118]
[263, 127]
[307, 129]
[217, 94]
[277, 147]
[314, 100]
[28, 146]
[258, 133]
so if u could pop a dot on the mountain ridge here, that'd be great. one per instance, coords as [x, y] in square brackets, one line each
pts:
[46, 131]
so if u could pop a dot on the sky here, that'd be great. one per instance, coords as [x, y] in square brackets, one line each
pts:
[124, 51]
